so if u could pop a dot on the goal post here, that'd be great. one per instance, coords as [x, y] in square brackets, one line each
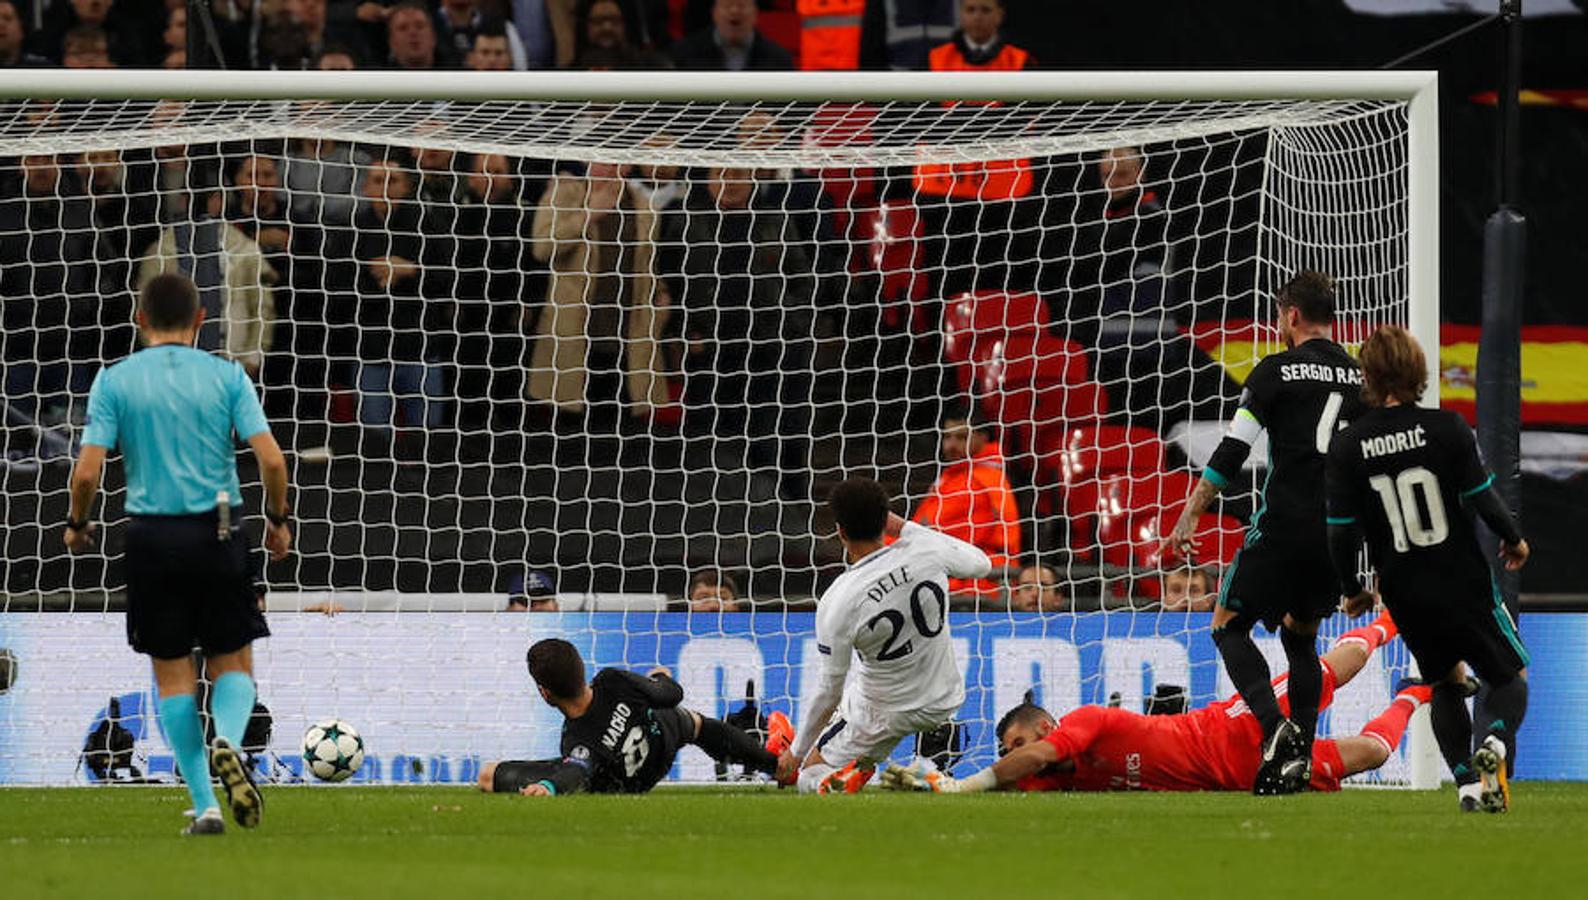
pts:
[776, 279]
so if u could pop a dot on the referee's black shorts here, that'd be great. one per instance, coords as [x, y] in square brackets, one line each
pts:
[1269, 579]
[187, 588]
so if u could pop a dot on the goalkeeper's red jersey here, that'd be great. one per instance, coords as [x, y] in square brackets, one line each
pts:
[1215, 748]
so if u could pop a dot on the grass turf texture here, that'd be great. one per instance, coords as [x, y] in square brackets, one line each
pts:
[352, 843]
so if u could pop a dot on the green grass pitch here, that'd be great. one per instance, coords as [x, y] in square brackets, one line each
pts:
[352, 843]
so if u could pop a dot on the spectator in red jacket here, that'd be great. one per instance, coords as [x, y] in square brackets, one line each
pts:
[972, 499]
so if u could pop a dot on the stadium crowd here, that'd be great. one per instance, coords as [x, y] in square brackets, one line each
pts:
[421, 290]
[699, 35]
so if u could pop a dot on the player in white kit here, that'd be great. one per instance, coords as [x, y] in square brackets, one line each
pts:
[888, 615]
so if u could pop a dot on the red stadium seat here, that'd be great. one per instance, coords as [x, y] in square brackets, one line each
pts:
[1218, 537]
[1026, 359]
[1068, 459]
[990, 311]
[854, 203]
[1028, 411]
[1148, 492]
[1088, 452]
[853, 191]
[1129, 500]
[1082, 501]
[893, 234]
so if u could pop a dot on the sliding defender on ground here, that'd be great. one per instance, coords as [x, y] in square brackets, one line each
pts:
[176, 412]
[888, 616]
[622, 732]
[1410, 480]
[1217, 748]
[1282, 576]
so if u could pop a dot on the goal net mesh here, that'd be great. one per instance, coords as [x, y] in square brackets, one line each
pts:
[598, 349]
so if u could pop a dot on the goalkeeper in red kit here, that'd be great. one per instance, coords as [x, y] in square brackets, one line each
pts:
[1217, 748]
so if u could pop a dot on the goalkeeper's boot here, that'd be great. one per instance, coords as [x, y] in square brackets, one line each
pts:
[208, 823]
[1489, 763]
[246, 803]
[848, 780]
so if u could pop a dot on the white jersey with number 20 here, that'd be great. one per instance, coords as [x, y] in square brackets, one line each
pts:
[889, 615]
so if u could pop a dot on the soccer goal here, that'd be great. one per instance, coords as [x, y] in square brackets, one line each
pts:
[577, 339]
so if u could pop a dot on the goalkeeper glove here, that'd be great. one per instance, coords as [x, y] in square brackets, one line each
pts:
[918, 778]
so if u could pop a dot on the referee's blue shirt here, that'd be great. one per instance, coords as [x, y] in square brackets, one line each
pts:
[172, 410]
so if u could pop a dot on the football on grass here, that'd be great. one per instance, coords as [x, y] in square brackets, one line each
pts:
[332, 750]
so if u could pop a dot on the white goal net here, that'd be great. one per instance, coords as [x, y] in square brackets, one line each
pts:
[609, 356]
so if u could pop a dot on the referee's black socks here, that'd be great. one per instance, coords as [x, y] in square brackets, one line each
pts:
[725, 743]
[1306, 679]
[1249, 673]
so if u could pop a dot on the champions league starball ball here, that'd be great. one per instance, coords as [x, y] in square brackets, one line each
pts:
[332, 750]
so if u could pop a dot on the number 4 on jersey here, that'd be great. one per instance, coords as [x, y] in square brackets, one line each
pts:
[1329, 423]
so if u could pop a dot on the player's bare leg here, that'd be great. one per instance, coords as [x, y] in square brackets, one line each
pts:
[487, 779]
[178, 683]
[232, 702]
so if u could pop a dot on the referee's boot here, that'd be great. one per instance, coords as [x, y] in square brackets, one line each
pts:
[242, 795]
[1489, 763]
[207, 822]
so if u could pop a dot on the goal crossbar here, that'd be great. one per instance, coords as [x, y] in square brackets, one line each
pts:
[156, 84]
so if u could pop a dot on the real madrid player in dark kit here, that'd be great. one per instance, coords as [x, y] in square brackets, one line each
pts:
[1281, 576]
[176, 412]
[1410, 480]
[622, 731]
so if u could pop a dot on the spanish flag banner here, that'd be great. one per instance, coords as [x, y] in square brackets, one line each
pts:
[1554, 364]
[1554, 373]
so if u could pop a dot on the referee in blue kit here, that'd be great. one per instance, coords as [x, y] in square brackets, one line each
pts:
[172, 410]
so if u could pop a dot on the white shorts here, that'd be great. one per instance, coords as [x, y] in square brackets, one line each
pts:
[860, 733]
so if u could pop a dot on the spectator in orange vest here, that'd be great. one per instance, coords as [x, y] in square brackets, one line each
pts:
[982, 218]
[978, 44]
[972, 499]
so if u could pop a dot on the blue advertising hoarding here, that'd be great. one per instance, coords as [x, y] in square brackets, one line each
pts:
[436, 693]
